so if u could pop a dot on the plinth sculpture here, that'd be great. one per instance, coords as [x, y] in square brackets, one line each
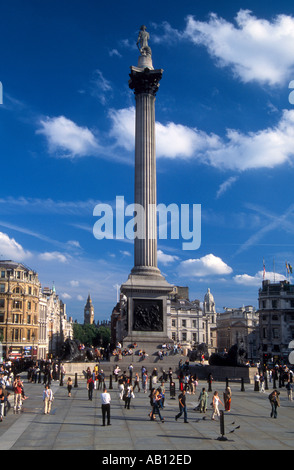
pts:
[146, 289]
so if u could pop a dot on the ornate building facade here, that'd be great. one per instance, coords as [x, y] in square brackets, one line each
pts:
[276, 320]
[238, 326]
[19, 309]
[33, 322]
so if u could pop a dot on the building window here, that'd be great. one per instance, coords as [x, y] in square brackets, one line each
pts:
[276, 333]
[184, 323]
[264, 333]
[274, 303]
[16, 318]
[2, 274]
[184, 337]
[1, 317]
[173, 323]
[17, 304]
[2, 288]
[15, 335]
[2, 303]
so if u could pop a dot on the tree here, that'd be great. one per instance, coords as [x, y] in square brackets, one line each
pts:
[91, 335]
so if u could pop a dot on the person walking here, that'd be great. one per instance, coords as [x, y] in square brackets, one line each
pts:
[137, 382]
[262, 383]
[145, 381]
[121, 387]
[256, 382]
[105, 406]
[203, 398]
[215, 404]
[62, 373]
[289, 388]
[2, 402]
[47, 399]
[275, 402]
[18, 390]
[129, 395]
[69, 386]
[156, 407]
[182, 406]
[228, 399]
[90, 388]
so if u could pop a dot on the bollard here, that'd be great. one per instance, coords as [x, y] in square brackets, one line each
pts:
[222, 427]
[242, 384]
[76, 380]
[110, 382]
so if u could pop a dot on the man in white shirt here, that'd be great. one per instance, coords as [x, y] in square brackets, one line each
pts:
[105, 406]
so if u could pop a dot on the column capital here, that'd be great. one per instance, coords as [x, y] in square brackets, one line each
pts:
[145, 80]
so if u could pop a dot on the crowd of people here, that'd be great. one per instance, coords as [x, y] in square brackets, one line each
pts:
[130, 382]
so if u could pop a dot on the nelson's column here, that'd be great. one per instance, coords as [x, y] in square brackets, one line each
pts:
[146, 289]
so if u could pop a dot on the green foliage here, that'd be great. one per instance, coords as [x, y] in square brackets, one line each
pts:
[91, 335]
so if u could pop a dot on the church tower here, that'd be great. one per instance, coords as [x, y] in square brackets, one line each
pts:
[89, 312]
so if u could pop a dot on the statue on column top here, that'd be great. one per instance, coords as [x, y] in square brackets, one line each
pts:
[142, 42]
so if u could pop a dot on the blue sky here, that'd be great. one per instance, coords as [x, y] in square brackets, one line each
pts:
[225, 140]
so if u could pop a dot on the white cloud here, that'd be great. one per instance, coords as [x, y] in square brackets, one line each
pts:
[101, 87]
[65, 296]
[205, 266]
[226, 185]
[266, 148]
[67, 139]
[172, 140]
[257, 49]
[123, 127]
[165, 259]
[10, 249]
[262, 149]
[53, 256]
[256, 280]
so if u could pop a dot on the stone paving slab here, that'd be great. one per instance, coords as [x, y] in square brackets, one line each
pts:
[75, 423]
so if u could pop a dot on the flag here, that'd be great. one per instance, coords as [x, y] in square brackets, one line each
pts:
[287, 267]
[290, 268]
[263, 270]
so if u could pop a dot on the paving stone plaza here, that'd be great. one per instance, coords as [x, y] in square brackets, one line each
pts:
[75, 423]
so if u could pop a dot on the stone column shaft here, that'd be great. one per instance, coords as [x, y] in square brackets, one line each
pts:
[145, 179]
[145, 84]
